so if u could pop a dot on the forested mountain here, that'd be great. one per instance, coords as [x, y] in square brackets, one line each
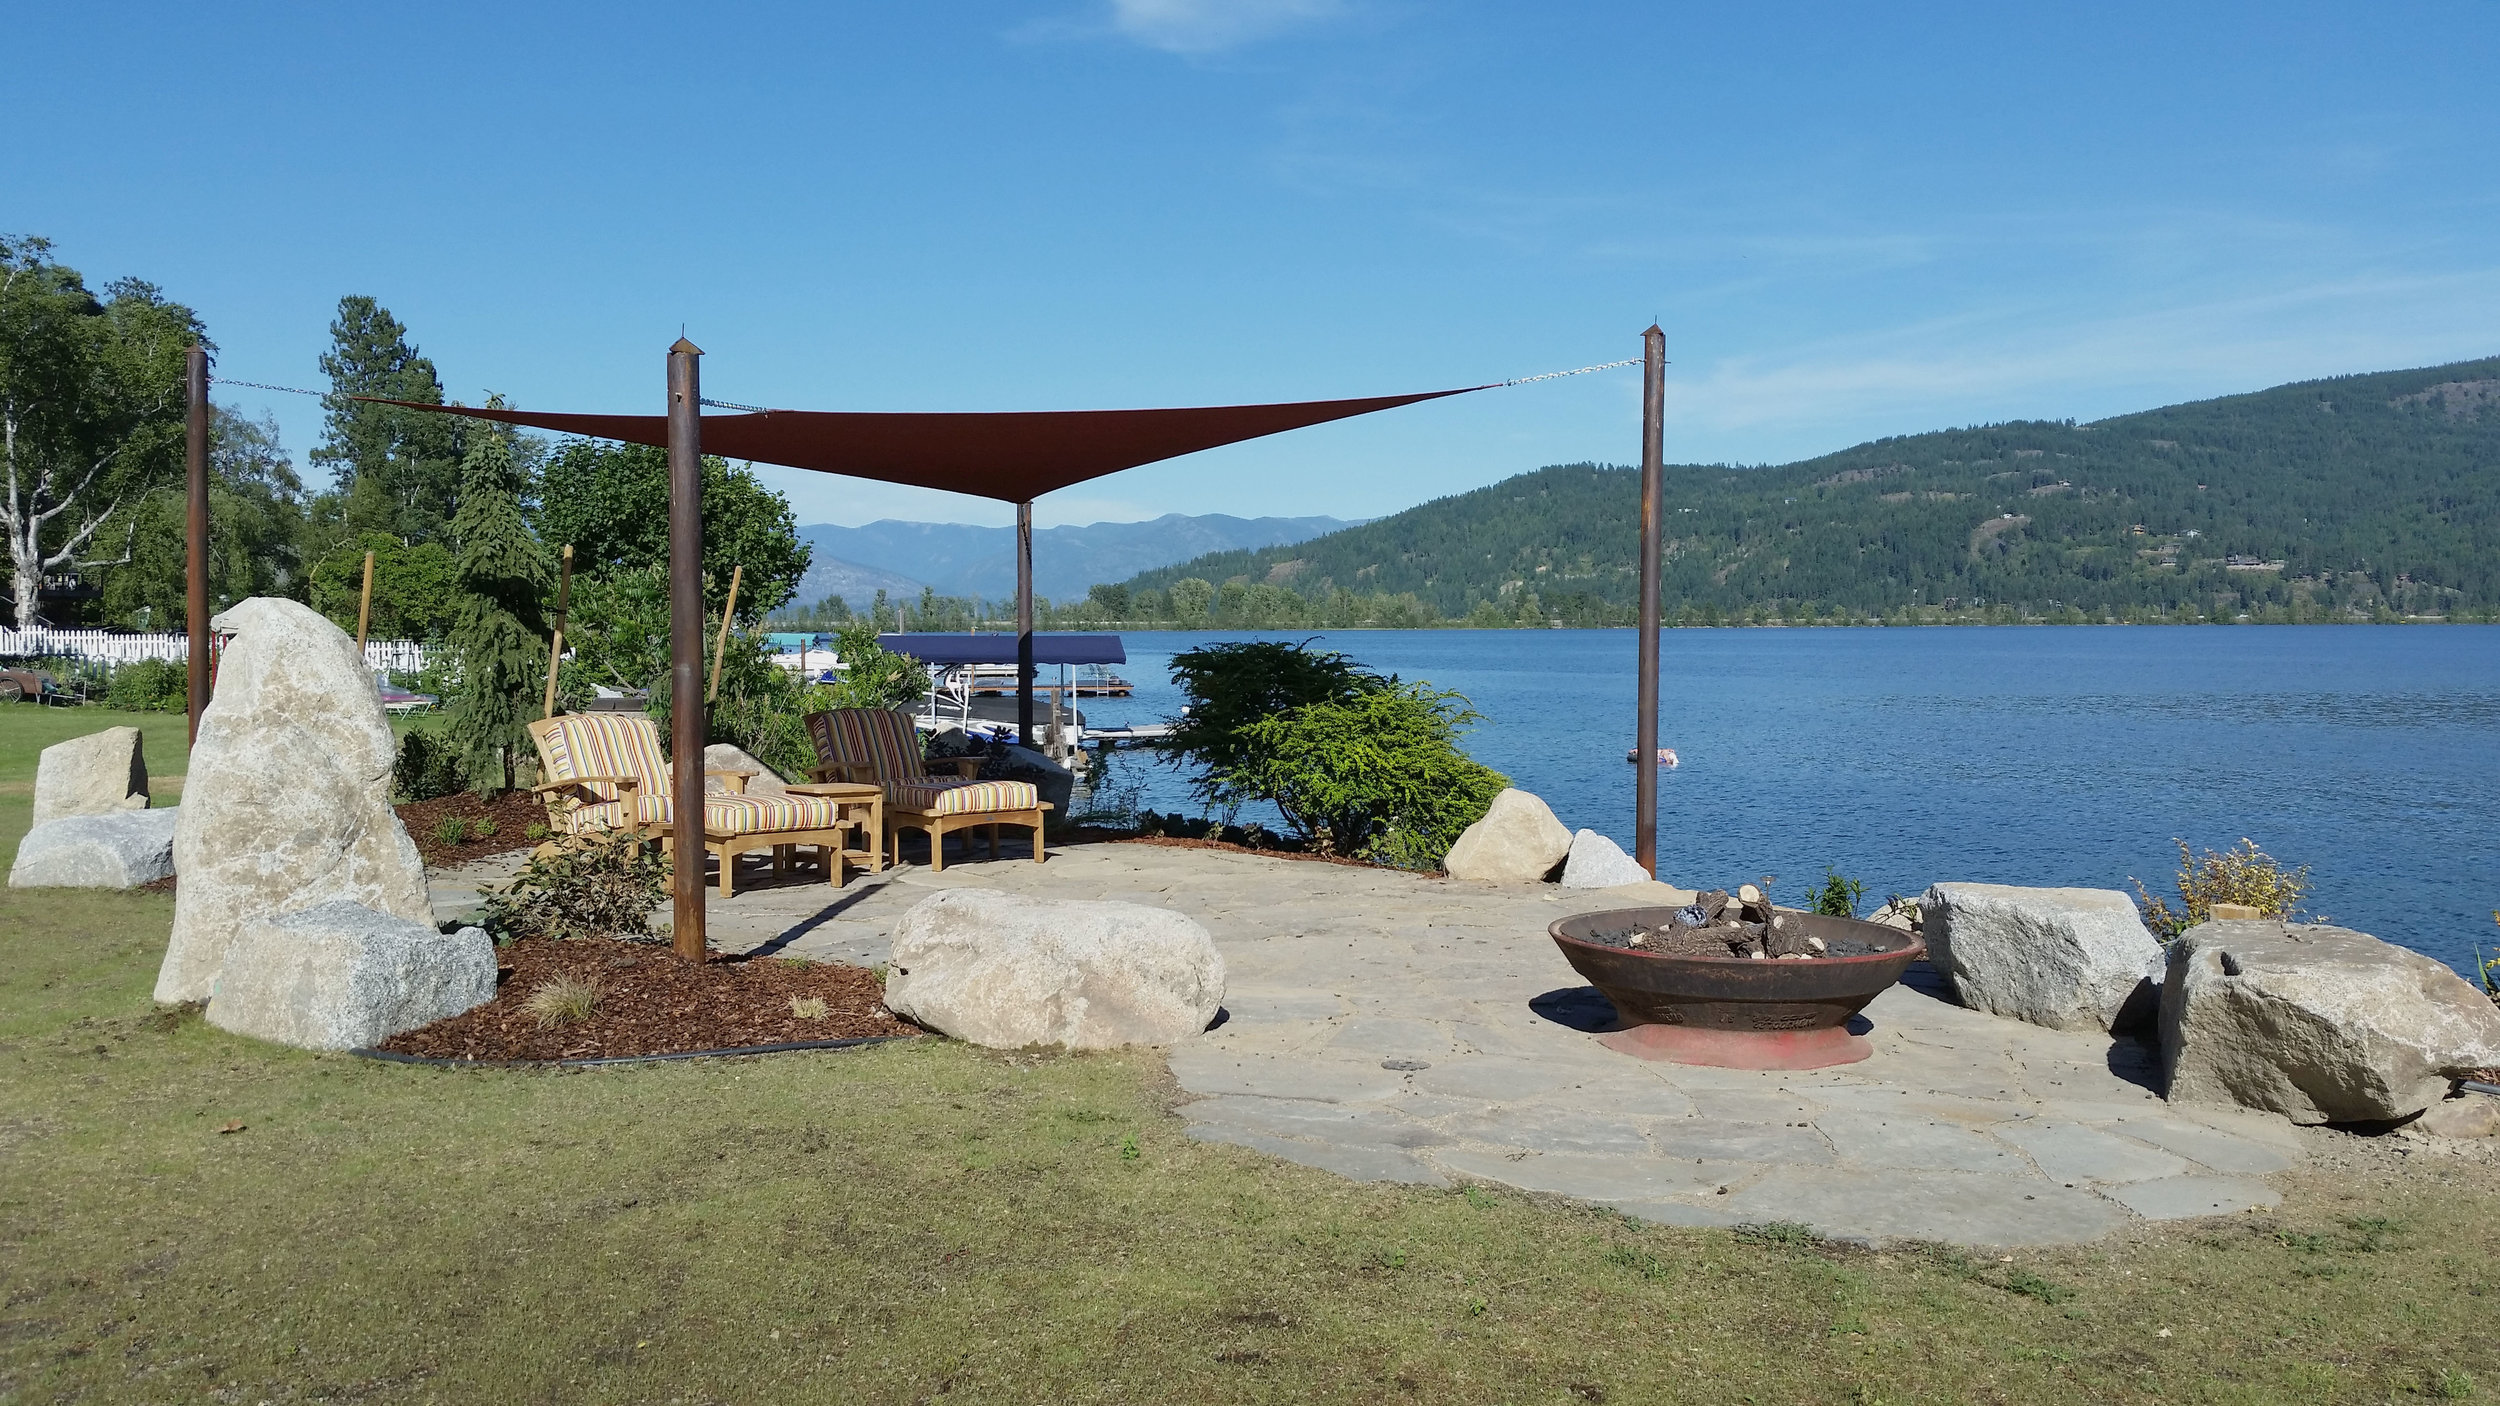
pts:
[2356, 496]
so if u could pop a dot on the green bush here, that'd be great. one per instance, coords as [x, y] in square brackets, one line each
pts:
[1379, 776]
[597, 886]
[427, 768]
[1230, 688]
[1839, 897]
[150, 686]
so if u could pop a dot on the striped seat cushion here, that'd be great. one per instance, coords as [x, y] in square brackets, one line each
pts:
[882, 740]
[604, 744]
[723, 814]
[937, 797]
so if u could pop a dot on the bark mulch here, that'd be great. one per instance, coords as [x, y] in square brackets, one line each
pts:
[653, 1002]
[513, 813]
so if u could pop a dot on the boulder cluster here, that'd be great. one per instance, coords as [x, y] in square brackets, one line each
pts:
[300, 908]
[2320, 1024]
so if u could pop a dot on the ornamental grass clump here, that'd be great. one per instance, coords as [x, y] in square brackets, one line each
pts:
[562, 1001]
[594, 886]
[2243, 874]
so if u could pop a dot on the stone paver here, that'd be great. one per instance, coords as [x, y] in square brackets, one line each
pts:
[1393, 1027]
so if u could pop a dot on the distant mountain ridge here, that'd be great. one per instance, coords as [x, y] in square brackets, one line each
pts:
[2359, 495]
[959, 559]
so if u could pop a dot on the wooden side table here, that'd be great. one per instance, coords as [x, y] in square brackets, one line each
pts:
[860, 802]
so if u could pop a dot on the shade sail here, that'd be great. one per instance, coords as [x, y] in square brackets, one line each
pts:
[1013, 456]
[1001, 649]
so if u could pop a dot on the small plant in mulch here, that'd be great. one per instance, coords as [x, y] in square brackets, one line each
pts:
[463, 826]
[2243, 874]
[808, 1007]
[562, 1001]
[597, 886]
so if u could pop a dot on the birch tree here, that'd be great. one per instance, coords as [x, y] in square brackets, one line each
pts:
[91, 413]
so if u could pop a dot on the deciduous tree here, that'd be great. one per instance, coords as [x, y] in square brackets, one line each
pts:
[91, 412]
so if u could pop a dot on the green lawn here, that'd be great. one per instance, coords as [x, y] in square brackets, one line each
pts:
[909, 1223]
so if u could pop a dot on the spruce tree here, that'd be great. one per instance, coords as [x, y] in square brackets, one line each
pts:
[500, 637]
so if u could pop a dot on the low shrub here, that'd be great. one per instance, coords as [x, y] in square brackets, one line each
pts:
[1839, 897]
[1378, 776]
[427, 769]
[2243, 874]
[150, 686]
[451, 830]
[597, 886]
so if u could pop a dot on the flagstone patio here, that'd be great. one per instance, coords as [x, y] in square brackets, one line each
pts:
[1396, 1027]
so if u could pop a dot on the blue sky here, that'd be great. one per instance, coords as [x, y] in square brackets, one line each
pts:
[1852, 220]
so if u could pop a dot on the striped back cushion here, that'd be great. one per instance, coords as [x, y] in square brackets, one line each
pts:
[604, 744]
[882, 740]
[820, 736]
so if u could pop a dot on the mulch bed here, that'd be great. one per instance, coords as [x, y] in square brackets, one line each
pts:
[653, 1002]
[513, 813]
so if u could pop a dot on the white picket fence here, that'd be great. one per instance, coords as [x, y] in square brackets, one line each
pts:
[119, 647]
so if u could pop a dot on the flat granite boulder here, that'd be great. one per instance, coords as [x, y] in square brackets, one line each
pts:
[287, 804]
[2069, 959]
[2320, 1024]
[343, 977]
[1517, 842]
[1005, 971]
[722, 756]
[118, 851]
[1596, 862]
[98, 774]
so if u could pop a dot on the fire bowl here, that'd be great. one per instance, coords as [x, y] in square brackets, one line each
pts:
[1737, 1012]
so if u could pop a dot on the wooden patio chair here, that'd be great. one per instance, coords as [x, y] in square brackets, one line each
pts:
[881, 746]
[604, 771]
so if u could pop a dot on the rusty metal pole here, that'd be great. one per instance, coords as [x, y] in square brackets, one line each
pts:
[195, 600]
[1024, 624]
[685, 643]
[1653, 469]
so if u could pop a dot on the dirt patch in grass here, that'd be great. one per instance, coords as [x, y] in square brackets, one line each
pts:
[643, 999]
[499, 826]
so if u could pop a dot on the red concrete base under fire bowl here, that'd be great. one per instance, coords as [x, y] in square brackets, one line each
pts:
[1740, 1049]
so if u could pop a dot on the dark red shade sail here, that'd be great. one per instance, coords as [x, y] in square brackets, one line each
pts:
[1013, 456]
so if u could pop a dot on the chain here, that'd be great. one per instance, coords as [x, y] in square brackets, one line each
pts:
[1582, 371]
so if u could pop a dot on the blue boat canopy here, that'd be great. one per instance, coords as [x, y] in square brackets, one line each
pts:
[1001, 649]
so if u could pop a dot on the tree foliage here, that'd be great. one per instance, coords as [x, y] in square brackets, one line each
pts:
[416, 590]
[610, 502]
[256, 518]
[397, 471]
[500, 635]
[91, 413]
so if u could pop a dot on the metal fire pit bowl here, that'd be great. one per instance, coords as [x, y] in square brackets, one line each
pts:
[1736, 1012]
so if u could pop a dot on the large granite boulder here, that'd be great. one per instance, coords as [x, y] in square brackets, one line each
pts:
[2069, 959]
[1006, 971]
[1596, 862]
[721, 756]
[118, 851]
[287, 803]
[2320, 1024]
[98, 774]
[343, 977]
[1517, 842]
[1051, 781]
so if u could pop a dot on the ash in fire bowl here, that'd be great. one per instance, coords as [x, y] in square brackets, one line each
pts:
[1743, 926]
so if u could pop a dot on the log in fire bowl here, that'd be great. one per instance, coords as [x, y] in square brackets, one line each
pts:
[1736, 1011]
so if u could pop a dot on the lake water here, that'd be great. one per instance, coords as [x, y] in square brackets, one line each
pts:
[2053, 755]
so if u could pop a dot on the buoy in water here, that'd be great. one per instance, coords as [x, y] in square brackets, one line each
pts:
[1666, 756]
